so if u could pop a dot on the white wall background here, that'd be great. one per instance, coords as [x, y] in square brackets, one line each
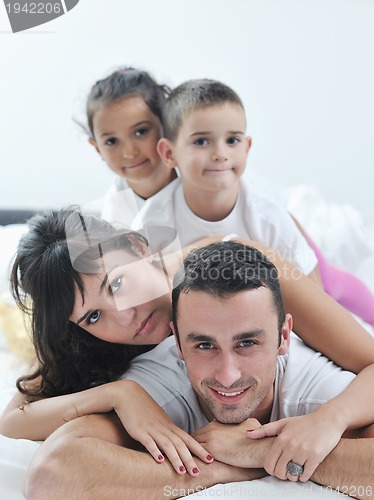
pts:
[304, 69]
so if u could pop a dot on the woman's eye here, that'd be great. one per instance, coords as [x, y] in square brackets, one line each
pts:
[201, 142]
[93, 318]
[141, 131]
[115, 284]
[111, 141]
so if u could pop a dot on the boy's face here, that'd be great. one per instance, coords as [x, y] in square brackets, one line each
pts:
[211, 148]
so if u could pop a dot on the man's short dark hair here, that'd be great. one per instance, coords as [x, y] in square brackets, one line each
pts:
[224, 268]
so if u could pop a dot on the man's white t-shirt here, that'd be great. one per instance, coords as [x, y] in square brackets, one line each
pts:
[304, 380]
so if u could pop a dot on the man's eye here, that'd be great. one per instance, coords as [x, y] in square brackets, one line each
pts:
[93, 318]
[141, 131]
[205, 346]
[111, 141]
[201, 142]
[246, 343]
[115, 284]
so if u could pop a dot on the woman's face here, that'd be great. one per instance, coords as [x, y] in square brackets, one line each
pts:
[128, 301]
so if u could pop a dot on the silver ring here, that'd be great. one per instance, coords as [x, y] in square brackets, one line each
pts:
[295, 469]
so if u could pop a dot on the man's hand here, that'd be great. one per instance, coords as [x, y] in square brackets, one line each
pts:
[228, 443]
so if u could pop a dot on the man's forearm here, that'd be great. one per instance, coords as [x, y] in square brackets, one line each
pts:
[349, 468]
[75, 466]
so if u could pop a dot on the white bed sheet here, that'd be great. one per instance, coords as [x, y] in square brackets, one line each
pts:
[268, 488]
[350, 244]
[15, 457]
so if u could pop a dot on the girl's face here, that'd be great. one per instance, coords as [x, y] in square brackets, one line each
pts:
[126, 135]
[127, 302]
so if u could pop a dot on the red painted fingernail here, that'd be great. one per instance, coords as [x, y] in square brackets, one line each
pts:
[195, 470]
[160, 457]
[250, 430]
[209, 457]
[182, 468]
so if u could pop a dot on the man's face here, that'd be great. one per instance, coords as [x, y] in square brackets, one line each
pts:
[230, 347]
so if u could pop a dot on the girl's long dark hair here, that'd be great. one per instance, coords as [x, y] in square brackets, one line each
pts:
[44, 282]
[126, 82]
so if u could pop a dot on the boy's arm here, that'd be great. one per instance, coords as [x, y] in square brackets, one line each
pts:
[90, 458]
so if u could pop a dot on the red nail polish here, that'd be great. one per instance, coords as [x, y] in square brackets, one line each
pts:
[250, 430]
[160, 457]
[195, 470]
[209, 457]
[182, 468]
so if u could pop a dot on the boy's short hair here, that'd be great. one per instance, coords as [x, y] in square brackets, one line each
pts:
[192, 95]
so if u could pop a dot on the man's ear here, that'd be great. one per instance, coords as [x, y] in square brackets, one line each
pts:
[285, 335]
[165, 151]
[172, 328]
[248, 141]
[93, 143]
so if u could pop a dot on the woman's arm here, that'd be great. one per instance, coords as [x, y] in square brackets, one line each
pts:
[141, 416]
[23, 420]
[322, 323]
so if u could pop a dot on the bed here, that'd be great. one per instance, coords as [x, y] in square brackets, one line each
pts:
[345, 235]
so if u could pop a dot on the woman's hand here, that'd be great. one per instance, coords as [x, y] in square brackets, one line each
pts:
[147, 423]
[304, 440]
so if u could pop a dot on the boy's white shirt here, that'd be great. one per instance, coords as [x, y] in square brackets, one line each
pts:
[259, 214]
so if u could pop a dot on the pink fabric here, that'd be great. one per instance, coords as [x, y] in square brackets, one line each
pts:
[345, 288]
